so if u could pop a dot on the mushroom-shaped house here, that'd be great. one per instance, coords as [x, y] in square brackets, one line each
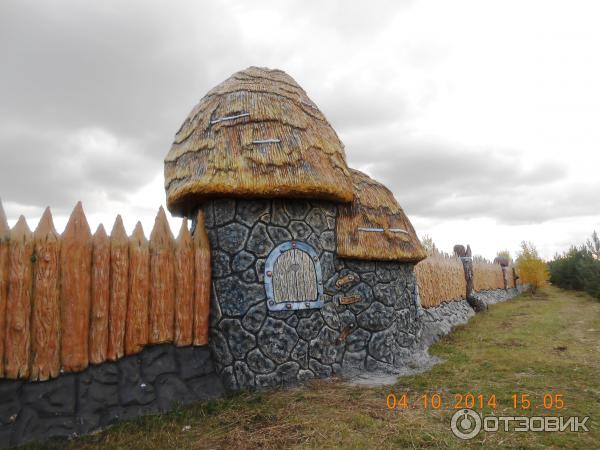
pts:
[312, 262]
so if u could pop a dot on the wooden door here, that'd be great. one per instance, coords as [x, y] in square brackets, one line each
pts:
[294, 277]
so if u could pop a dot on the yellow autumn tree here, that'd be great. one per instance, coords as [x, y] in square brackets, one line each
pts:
[530, 267]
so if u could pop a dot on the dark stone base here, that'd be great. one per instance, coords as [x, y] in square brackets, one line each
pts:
[440, 320]
[155, 380]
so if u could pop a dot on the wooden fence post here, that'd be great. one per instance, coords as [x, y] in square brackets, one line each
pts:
[4, 240]
[202, 281]
[468, 268]
[100, 296]
[467, 260]
[184, 286]
[162, 281]
[119, 285]
[45, 318]
[18, 305]
[75, 270]
[505, 278]
[136, 332]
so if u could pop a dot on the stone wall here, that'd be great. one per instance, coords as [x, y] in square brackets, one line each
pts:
[439, 321]
[494, 296]
[256, 347]
[155, 380]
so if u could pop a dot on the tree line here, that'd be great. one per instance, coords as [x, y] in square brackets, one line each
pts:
[578, 268]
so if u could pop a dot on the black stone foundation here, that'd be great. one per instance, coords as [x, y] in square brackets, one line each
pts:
[155, 380]
[439, 321]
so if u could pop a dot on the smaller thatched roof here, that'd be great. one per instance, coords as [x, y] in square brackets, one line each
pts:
[255, 135]
[374, 225]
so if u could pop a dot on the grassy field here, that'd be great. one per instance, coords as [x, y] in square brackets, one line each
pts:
[545, 344]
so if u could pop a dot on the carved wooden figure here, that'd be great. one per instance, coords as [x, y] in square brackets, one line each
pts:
[505, 277]
[468, 267]
[515, 277]
[459, 250]
[502, 260]
[477, 304]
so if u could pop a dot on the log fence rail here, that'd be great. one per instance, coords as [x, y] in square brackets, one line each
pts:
[71, 300]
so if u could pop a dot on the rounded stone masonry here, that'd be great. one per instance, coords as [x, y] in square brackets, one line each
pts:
[368, 321]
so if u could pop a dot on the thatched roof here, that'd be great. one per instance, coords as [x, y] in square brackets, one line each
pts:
[374, 225]
[257, 134]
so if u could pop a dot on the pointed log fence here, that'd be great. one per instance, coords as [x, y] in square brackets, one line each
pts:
[441, 278]
[45, 318]
[71, 300]
[100, 299]
[136, 333]
[17, 342]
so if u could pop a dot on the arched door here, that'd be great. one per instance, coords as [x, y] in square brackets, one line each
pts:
[293, 277]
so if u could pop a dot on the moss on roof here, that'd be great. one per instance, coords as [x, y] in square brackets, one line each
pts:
[256, 135]
[374, 226]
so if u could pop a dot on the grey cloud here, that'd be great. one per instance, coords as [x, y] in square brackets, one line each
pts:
[350, 21]
[437, 180]
[133, 70]
[130, 72]
[355, 107]
[111, 64]
[57, 168]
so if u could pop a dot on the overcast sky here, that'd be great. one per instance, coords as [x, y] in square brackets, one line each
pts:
[482, 117]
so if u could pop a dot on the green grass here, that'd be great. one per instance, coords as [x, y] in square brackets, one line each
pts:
[543, 344]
